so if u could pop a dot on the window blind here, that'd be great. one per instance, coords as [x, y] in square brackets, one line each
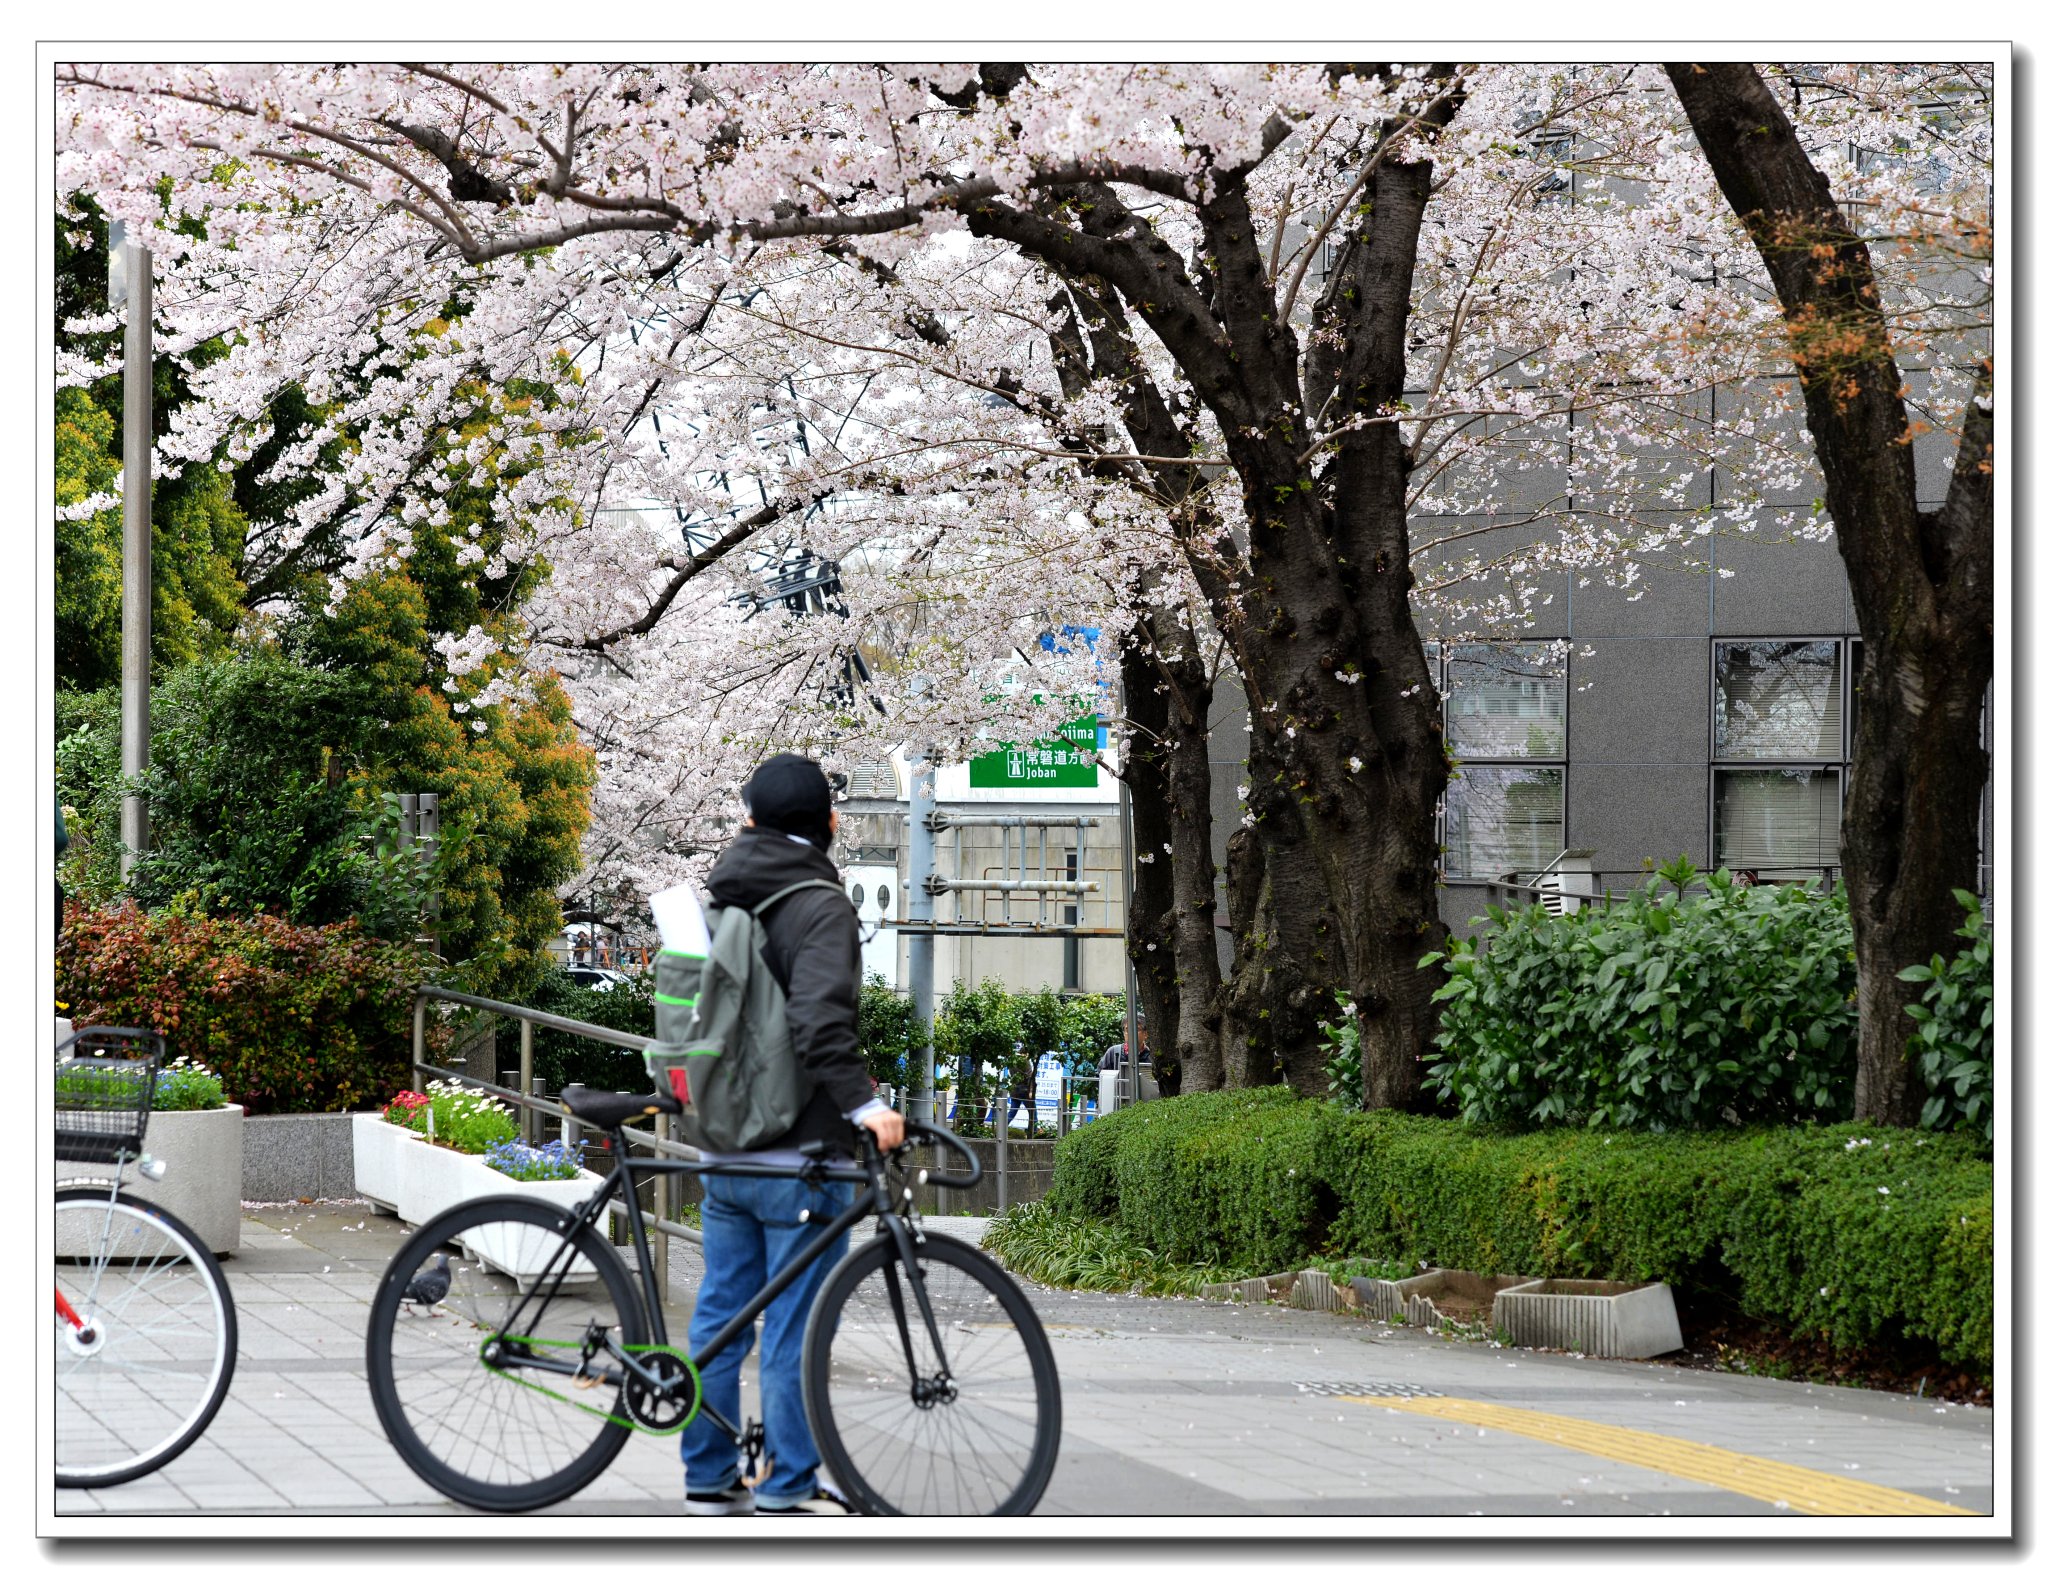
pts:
[1784, 818]
[1499, 820]
[1506, 699]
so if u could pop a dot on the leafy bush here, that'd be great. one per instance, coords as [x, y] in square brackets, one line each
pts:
[1847, 1230]
[293, 1019]
[1734, 1007]
[183, 1086]
[1953, 1041]
[1063, 1251]
[888, 1033]
[532, 1164]
[562, 1058]
[467, 1120]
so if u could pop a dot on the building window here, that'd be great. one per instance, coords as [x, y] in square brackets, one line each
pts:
[1789, 704]
[1504, 721]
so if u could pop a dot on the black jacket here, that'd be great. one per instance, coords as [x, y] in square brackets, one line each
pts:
[814, 950]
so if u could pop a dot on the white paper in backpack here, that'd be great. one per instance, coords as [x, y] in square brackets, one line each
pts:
[680, 920]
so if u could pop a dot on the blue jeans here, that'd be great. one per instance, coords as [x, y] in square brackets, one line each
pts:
[751, 1233]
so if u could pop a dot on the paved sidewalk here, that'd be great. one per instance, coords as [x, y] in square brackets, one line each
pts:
[1172, 1407]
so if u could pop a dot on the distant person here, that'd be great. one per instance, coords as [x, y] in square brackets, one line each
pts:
[753, 1228]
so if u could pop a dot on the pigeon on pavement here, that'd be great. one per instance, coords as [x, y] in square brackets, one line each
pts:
[430, 1287]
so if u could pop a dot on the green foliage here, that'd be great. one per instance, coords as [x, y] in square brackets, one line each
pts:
[294, 1019]
[1093, 1025]
[1062, 1251]
[978, 1028]
[888, 1033]
[562, 1059]
[1346, 1064]
[183, 1086]
[1953, 1038]
[1849, 1231]
[1735, 1006]
[198, 531]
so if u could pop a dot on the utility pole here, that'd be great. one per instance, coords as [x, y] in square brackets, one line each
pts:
[128, 273]
[919, 945]
[1130, 1069]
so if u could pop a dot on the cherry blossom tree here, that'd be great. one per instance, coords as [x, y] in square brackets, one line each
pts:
[1921, 577]
[1250, 366]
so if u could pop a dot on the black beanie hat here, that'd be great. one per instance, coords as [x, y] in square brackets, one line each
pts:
[789, 794]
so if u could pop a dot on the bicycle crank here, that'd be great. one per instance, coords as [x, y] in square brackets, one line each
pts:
[661, 1390]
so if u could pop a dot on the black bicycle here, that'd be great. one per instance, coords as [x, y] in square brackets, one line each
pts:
[928, 1382]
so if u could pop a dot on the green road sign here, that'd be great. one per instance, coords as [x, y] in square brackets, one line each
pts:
[1063, 762]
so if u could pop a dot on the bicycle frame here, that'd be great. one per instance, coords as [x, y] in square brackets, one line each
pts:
[874, 1199]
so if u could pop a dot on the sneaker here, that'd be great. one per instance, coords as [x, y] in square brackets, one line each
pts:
[734, 1499]
[823, 1501]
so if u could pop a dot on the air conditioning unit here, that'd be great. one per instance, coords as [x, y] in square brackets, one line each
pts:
[1567, 883]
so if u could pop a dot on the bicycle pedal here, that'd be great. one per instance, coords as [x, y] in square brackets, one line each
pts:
[750, 1481]
[584, 1382]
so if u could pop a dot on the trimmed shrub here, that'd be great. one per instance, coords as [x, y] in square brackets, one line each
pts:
[1846, 1231]
[1953, 1039]
[1736, 1007]
[292, 1019]
[562, 1059]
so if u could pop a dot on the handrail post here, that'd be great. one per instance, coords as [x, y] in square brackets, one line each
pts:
[662, 1196]
[419, 1040]
[1002, 1110]
[526, 1121]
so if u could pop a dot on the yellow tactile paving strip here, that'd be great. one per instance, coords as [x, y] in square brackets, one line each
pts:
[1781, 1485]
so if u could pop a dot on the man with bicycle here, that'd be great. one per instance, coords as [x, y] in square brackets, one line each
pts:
[753, 1227]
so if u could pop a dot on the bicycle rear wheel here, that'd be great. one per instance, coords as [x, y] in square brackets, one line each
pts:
[145, 1338]
[899, 1431]
[504, 1437]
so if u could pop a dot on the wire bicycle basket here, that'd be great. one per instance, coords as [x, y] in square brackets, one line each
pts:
[106, 1078]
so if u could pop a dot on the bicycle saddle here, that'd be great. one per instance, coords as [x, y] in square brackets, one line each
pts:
[608, 1109]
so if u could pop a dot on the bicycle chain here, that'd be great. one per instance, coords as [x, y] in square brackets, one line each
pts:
[635, 1394]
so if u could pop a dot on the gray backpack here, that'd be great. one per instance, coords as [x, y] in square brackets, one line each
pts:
[721, 1033]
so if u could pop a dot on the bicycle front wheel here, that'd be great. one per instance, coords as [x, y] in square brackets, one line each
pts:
[470, 1388]
[145, 1338]
[955, 1414]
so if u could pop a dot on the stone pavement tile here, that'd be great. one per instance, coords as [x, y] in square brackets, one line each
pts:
[75, 1499]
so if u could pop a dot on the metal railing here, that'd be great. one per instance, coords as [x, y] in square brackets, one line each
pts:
[656, 1141]
[1604, 893]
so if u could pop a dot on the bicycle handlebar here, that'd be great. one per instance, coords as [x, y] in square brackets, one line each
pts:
[945, 1137]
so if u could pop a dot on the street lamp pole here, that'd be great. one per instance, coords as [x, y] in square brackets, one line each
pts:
[128, 273]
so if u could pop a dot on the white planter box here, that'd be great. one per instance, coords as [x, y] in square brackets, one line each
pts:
[202, 1155]
[397, 1169]
[1630, 1321]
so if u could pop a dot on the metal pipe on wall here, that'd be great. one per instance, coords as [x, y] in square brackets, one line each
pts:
[918, 945]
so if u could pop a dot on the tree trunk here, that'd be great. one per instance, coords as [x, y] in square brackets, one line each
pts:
[1198, 970]
[1921, 579]
[1249, 1041]
[1346, 761]
[1148, 927]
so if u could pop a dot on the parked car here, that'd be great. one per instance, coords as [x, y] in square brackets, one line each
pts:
[598, 978]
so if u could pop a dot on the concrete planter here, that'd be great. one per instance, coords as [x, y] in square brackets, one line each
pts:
[202, 1155]
[1442, 1295]
[396, 1169]
[1630, 1321]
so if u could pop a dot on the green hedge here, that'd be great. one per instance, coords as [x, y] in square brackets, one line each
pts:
[1848, 1231]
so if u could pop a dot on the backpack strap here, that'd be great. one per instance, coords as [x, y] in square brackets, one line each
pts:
[783, 893]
